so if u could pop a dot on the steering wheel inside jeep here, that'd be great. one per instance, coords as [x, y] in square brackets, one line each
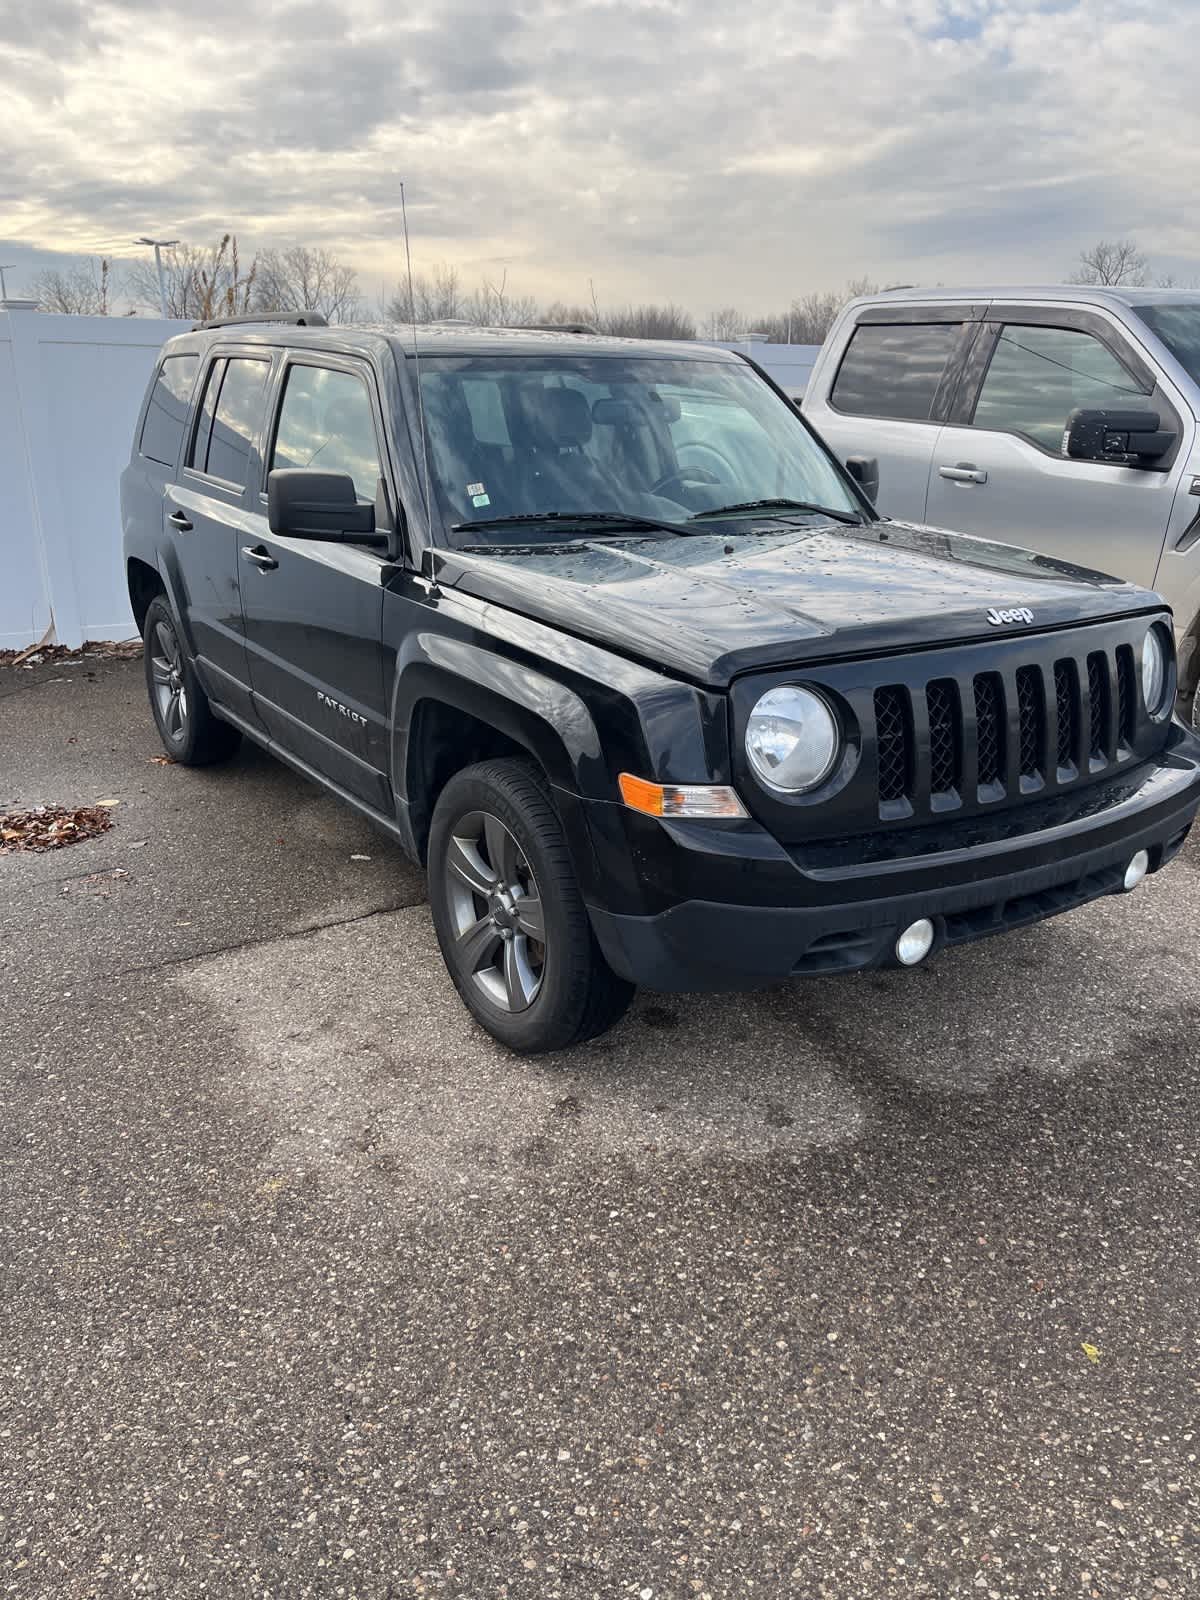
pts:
[684, 476]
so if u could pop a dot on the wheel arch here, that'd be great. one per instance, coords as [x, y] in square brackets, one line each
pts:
[455, 704]
[145, 583]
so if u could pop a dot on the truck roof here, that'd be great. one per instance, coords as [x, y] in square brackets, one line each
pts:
[447, 339]
[1083, 294]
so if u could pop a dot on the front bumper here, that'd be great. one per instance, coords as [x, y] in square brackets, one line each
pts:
[760, 912]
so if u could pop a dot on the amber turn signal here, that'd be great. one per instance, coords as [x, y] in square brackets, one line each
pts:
[679, 799]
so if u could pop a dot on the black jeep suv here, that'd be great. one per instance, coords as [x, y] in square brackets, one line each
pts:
[601, 632]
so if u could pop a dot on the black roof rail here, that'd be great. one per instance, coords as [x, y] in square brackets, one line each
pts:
[559, 327]
[297, 319]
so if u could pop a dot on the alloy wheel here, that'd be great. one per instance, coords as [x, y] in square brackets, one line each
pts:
[496, 912]
[169, 687]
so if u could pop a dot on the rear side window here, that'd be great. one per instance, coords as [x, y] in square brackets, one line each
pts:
[166, 415]
[326, 421]
[893, 369]
[231, 418]
[1038, 376]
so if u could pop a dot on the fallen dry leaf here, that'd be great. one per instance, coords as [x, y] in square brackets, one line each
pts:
[51, 827]
[94, 649]
[162, 761]
[1092, 1353]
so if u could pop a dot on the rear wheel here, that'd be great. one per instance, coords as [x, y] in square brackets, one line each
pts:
[190, 732]
[509, 917]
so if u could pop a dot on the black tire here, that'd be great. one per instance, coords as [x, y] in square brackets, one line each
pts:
[190, 732]
[561, 991]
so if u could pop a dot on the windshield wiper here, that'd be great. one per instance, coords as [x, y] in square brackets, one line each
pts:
[625, 519]
[789, 505]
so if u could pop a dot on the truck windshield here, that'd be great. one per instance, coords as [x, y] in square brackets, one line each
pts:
[519, 445]
[1178, 327]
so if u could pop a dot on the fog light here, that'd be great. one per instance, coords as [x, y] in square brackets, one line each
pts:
[915, 943]
[1137, 869]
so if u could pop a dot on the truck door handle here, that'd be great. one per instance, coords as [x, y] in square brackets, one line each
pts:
[257, 556]
[179, 519]
[963, 473]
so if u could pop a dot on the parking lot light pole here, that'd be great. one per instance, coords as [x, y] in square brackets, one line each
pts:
[159, 246]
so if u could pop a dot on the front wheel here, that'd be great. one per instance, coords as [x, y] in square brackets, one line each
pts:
[509, 917]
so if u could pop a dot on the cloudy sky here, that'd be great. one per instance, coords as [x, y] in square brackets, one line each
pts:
[705, 152]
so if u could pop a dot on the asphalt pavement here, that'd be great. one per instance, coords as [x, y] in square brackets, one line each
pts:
[861, 1287]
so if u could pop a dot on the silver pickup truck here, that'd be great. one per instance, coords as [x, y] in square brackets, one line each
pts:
[1064, 419]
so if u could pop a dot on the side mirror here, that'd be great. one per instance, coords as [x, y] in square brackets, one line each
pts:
[306, 504]
[1126, 438]
[865, 472]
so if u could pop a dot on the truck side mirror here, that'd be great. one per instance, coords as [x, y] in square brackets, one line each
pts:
[1125, 438]
[303, 503]
[865, 472]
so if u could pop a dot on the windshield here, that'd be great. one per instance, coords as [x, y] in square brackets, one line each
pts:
[547, 438]
[1179, 329]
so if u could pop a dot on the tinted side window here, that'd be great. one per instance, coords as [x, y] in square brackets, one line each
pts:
[198, 454]
[238, 418]
[1038, 376]
[893, 369]
[326, 421]
[166, 415]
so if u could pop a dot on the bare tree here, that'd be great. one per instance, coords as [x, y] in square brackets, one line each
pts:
[81, 291]
[494, 305]
[649, 322]
[1112, 262]
[436, 297]
[559, 311]
[809, 317]
[727, 323]
[201, 281]
[302, 279]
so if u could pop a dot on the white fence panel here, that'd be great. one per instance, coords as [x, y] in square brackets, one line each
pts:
[24, 604]
[789, 364]
[70, 388]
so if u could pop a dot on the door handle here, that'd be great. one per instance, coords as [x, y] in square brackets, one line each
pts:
[963, 473]
[179, 519]
[257, 556]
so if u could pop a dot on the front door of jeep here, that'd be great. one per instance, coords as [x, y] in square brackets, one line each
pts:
[313, 611]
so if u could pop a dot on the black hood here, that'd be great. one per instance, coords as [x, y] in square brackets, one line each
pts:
[711, 606]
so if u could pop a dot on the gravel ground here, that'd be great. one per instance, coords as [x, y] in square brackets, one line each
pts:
[869, 1287]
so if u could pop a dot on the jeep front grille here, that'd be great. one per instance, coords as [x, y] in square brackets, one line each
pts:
[893, 736]
[1066, 696]
[1032, 728]
[945, 738]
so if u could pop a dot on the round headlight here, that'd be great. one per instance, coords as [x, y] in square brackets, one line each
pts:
[1154, 671]
[792, 739]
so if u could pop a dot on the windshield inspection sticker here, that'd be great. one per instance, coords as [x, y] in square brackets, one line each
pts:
[479, 494]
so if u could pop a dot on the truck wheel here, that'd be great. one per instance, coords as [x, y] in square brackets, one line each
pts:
[509, 916]
[190, 733]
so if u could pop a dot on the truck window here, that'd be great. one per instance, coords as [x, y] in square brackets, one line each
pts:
[326, 421]
[893, 369]
[230, 418]
[1039, 375]
[166, 415]
[1178, 326]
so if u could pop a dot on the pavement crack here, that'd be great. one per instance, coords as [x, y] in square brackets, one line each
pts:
[270, 938]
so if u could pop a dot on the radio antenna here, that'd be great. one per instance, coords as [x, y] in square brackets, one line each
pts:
[412, 311]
